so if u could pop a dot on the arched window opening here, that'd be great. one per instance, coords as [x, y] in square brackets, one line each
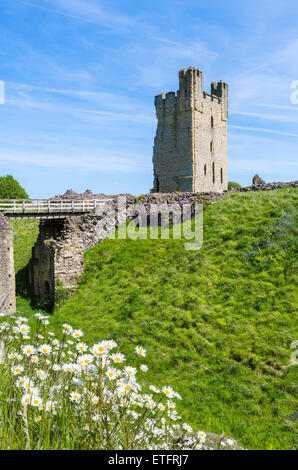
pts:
[205, 170]
[213, 172]
[221, 176]
[212, 146]
[212, 121]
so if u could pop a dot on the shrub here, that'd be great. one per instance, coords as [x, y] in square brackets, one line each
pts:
[11, 189]
[233, 185]
[61, 293]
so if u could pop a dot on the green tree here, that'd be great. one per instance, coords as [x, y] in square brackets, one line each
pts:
[233, 185]
[11, 189]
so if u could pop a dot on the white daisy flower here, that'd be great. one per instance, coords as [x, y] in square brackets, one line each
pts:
[96, 418]
[187, 428]
[77, 334]
[168, 391]
[35, 401]
[67, 329]
[140, 351]
[17, 370]
[99, 349]
[75, 396]
[85, 359]
[109, 344]
[26, 399]
[49, 406]
[45, 349]
[81, 347]
[171, 404]
[130, 371]
[91, 370]
[67, 367]
[24, 329]
[201, 436]
[111, 374]
[118, 358]
[41, 374]
[29, 350]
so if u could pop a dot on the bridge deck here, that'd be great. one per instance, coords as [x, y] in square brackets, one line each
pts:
[49, 208]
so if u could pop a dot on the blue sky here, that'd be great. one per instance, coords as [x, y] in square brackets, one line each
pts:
[81, 75]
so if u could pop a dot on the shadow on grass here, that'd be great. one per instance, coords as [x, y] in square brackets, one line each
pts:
[23, 290]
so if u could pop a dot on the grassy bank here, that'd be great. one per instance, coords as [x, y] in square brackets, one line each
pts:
[217, 323]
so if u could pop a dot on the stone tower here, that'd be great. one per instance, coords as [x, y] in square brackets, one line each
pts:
[190, 147]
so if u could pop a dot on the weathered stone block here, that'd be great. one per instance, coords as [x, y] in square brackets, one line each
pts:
[7, 274]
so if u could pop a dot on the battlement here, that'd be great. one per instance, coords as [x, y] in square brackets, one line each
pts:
[190, 94]
[211, 98]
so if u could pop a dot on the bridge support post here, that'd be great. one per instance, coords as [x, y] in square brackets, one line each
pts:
[7, 274]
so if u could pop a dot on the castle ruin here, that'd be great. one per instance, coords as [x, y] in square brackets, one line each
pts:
[190, 147]
[7, 276]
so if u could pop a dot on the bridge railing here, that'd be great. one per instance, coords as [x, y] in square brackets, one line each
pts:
[49, 206]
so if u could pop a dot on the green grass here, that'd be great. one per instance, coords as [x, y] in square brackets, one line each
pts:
[217, 323]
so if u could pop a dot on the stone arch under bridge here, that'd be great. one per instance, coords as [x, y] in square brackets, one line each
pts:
[67, 229]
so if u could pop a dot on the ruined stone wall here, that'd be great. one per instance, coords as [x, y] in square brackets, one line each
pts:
[58, 254]
[42, 263]
[7, 275]
[190, 147]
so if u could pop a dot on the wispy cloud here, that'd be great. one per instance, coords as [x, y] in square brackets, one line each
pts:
[104, 162]
[265, 116]
[263, 130]
[83, 10]
[157, 64]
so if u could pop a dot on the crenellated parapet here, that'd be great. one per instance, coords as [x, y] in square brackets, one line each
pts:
[220, 89]
[191, 96]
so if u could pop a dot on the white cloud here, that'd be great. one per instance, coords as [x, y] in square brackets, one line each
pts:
[106, 161]
[157, 64]
[265, 116]
[83, 10]
[261, 129]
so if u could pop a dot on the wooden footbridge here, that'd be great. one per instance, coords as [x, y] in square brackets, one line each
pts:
[49, 208]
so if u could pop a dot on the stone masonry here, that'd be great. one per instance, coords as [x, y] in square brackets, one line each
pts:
[7, 275]
[57, 254]
[190, 147]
